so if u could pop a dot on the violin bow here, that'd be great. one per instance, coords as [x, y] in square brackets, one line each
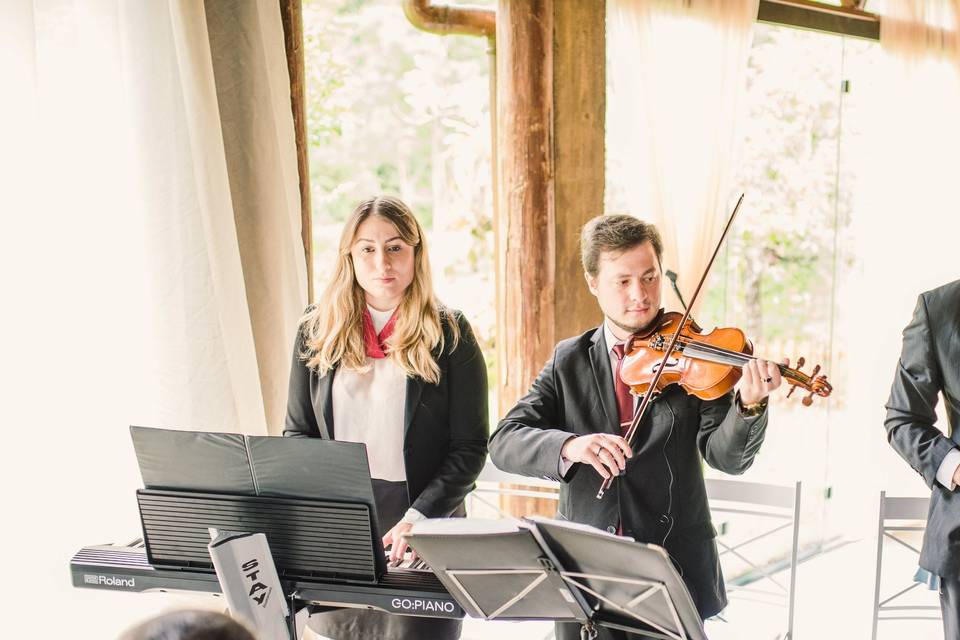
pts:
[652, 389]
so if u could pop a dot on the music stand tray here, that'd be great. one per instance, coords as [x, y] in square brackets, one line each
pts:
[552, 569]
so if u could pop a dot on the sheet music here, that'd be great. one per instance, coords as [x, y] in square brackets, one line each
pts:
[577, 526]
[464, 526]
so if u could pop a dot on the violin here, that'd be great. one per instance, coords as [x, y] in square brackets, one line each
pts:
[677, 351]
[706, 365]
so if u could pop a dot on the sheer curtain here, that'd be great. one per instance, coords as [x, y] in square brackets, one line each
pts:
[907, 216]
[214, 158]
[677, 70]
[151, 266]
[901, 154]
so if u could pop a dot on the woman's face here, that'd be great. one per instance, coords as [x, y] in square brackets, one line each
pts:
[382, 262]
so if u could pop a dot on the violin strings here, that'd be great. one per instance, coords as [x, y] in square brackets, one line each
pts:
[704, 347]
[726, 356]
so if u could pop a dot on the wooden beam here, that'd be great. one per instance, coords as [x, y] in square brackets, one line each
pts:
[548, 112]
[550, 119]
[526, 278]
[579, 122]
[524, 226]
[846, 20]
[291, 13]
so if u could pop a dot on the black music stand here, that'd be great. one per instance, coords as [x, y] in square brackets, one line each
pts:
[550, 569]
[312, 498]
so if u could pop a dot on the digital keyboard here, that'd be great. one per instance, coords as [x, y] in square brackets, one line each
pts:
[400, 591]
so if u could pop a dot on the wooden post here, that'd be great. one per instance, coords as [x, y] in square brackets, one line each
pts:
[525, 225]
[291, 14]
[550, 114]
[579, 125]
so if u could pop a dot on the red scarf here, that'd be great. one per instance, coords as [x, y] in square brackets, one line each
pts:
[377, 343]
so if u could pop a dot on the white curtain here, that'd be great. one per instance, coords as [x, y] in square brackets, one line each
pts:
[677, 70]
[918, 31]
[150, 262]
[905, 233]
[901, 136]
[214, 146]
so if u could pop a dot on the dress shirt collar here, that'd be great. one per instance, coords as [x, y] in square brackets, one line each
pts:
[380, 318]
[609, 339]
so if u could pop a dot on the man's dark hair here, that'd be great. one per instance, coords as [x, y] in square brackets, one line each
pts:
[615, 234]
[189, 625]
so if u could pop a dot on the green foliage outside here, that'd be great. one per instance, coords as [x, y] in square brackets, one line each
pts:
[396, 110]
[788, 252]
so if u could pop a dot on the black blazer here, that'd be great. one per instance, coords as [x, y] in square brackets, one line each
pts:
[930, 365]
[662, 499]
[445, 424]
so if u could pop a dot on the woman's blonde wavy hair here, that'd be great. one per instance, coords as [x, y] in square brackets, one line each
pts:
[333, 328]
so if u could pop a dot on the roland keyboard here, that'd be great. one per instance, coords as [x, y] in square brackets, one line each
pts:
[400, 591]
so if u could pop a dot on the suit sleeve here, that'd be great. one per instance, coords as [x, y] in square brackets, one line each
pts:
[911, 408]
[301, 421]
[529, 438]
[728, 441]
[468, 419]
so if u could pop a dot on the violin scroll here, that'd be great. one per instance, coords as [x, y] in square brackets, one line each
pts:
[815, 384]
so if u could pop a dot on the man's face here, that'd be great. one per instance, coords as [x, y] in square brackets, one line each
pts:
[627, 287]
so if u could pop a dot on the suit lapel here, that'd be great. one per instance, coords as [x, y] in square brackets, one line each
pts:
[414, 389]
[600, 363]
[325, 393]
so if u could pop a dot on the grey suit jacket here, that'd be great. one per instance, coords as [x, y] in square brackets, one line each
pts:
[662, 498]
[929, 366]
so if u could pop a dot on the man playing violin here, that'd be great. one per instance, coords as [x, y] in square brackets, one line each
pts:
[929, 368]
[569, 426]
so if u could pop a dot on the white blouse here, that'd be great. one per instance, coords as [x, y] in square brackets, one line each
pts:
[369, 408]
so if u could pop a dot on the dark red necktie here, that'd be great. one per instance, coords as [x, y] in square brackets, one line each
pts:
[622, 389]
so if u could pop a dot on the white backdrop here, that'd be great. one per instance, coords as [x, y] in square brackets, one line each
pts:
[132, 145]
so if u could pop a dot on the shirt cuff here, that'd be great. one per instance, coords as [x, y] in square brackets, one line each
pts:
[412, 515]
[947, 468]
[751, 410]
